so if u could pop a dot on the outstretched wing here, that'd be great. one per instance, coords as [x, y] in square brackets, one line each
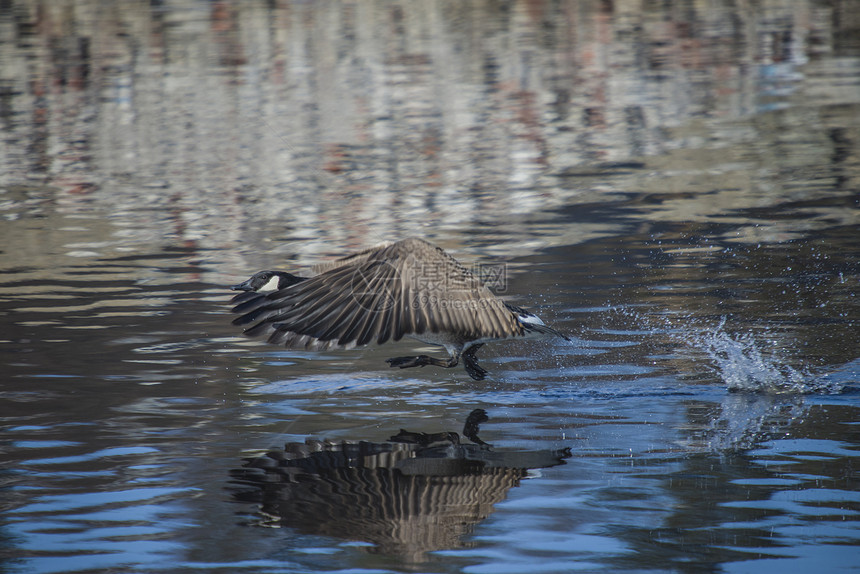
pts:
[405, 288]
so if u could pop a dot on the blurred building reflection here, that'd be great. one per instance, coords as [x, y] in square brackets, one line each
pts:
[343, 123]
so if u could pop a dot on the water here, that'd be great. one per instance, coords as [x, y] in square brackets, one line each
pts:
[675, 187]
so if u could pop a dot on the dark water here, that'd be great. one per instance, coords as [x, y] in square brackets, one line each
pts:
[675, 185]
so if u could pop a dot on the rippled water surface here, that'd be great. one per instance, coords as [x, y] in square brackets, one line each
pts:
[674, 185]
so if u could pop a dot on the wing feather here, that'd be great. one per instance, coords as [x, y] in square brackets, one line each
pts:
[374, 294]
[403, 288]
[313, 312]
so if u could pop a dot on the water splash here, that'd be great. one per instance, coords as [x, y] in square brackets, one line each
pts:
[749, 361]
[741, 362]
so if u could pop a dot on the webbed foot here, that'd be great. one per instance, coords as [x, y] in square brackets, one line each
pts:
[475, 370]
[406, 362]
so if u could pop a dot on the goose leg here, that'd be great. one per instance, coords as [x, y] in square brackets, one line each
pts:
[470, 362]
[422, 361]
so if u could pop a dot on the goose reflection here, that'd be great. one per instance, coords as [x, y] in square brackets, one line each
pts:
[412, 494]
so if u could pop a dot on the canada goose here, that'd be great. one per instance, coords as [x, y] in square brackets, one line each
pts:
[408, 287]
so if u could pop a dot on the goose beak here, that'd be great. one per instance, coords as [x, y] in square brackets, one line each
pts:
[243, 286]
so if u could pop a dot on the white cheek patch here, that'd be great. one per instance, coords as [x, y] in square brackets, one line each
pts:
[271, 284]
